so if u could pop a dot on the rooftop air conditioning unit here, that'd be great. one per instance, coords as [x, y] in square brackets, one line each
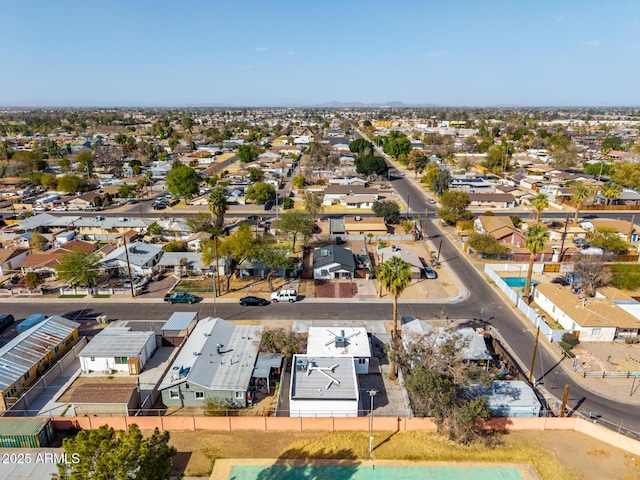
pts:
[302, 364]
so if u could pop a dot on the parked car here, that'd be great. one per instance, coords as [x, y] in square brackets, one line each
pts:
[253, 301]
[180, 297]
[285, 295]
[39, 208]
[132, 201]
[159, 206]
[430, 273]
[580, 242]
[136, 281]
[6, 319]
[73, 208]
[59, 209]
[431, 201]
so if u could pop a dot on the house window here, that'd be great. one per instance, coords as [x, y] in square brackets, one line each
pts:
[239, 395]
[121, 360]
[553, 309]
[199, 395]
[596, 332]
[324, 273]
[93, 359]
[27, 376]
[537, 294]
[362, 361]
[174, 394]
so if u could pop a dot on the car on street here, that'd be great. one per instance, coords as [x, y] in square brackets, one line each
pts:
[59, 209]
[180, 297]
[132, 201]
[253, 301]
[431, 201]
[159, 206]
[430, 273]
[285, 295]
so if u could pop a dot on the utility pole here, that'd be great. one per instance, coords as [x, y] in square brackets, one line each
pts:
[564, 237]
[564, 400]
[126, 252]
[535, 351]
[407, 212]
[439, 250]
[371, 393]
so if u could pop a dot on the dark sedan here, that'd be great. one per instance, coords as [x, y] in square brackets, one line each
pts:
[253, 301]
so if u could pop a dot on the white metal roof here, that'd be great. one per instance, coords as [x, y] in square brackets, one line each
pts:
[116, 342]
[326, 378]
[179, 321]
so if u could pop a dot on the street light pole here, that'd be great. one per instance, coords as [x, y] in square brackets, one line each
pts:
[371, 393]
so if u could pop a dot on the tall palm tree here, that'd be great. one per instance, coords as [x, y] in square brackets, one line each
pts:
[581, 195]
[610, 191]
[394, 276]
[534, 239]
[217, 202]
[540, 202]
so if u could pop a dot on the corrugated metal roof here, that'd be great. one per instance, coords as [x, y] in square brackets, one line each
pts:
[116, 342]
[264, 364]
[22, 426]
[179, 321]
[23, 352]
[199, 361]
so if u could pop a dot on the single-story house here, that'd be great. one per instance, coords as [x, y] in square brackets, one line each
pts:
[408, 255]
[118, 348]
[185, 263]
[109, 228]
[363, 225]
[142, 257]
[626, 197]
[509, 398]
[216, 361]
[11, 258]
[500, 228]
[591, 319]
[492, 200]
[352, 196]
[351, 342]
[626, 231]
[333, 262]
[323, 387]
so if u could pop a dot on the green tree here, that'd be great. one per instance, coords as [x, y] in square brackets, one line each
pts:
[104, 453]
[255, 174]
[273, 257]
[86, 162]
[65, 165]
[418, 160]
[240, 247]
[370, 164]
[441, 182]
[485, 244]
[535, 239]
[626, 174]
[387, 209]
[298, 181]
[33, 280]
[79, 268]
[396, 143]
[183, 182]
[260, 192]
[361, 146]
[580, 196]
[174, 141]
[175, 247]
[200, 222]
[126, 191]
[279, 340]
[312, 204]
[295, 223]
[540, 203]
[610, 191]
[154, 229]
[454, 206]
[609, 240]
[38, 241]
[432, 170]
[598, 168]
[217, 204]
[188, 123]
[71, 183]
[247, 153]
[394, 276]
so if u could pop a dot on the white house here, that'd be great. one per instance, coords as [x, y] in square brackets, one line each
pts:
[352, 196]
[142, 257]
[595, 319]
[351, 342]
[118, 348]
[333, 262]
[11, 258]
[323, 387]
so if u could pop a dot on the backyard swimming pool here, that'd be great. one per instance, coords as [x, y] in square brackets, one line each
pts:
[518, 281]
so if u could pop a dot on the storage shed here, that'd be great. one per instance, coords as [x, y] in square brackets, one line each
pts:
[509, 398]
[118, 348]
[178, 327]
[25, 432]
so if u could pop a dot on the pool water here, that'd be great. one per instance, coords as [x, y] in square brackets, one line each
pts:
[518, 281]
[356, 472]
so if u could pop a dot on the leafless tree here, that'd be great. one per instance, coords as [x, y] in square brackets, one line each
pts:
[593, 274]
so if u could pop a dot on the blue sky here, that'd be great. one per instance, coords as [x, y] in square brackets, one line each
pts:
[475, 53]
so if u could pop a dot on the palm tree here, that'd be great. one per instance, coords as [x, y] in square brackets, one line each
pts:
[394, 276]
[217, 202]
[535, 239]
[540, 202]
[581, 195]
[610, 191]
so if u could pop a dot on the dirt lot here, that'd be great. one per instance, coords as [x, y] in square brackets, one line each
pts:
[582, 457]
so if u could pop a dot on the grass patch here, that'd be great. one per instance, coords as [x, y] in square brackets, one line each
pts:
[72, 296]
[625, 276]
[415, 446]
[195, 286]
[102, 295]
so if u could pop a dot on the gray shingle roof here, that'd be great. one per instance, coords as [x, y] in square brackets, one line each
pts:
[333, 254]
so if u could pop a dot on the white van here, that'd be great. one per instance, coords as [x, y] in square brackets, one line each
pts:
[284, 296]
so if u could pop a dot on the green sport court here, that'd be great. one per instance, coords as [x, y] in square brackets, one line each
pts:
[261, 469]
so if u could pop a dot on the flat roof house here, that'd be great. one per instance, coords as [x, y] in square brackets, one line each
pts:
[119, 349]
[143, 257]
[216, 361]
[352, 342]
[323, 387]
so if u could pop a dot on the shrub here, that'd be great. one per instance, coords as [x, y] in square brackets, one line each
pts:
[631, 340]
[570, 339]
